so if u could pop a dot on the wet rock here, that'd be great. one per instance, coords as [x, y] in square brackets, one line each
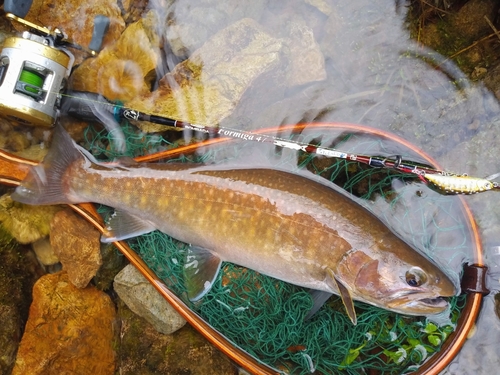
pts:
[470, 19]
[206, 88]
[145, 351]
[77, 245]
[24, 222]
[492, 80]
[123, 70]
[76, 19]
[189, 27]
[307, 63]
[458, 31]
[18, 271]
[143, 299]
[69, 330]
[112, 263]
[133, 9]
[322, 5]
[44, 252]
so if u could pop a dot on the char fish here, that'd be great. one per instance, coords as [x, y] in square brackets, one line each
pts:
[277, 223]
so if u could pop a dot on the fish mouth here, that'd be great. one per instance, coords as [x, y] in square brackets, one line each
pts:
[419, 306]
[438, 302]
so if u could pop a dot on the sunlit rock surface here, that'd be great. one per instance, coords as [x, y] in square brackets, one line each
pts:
[76, 19]
[77, 245]
[44, 252]
[125, 69]
[307, 63]
[69, 330]
[143, 299]
[189, 26]
[207, 87]
[24, 222]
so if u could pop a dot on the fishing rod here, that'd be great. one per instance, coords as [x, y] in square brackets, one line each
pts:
[35, 68]
[93, 107]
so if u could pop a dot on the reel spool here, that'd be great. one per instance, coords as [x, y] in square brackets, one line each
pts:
[32, 74]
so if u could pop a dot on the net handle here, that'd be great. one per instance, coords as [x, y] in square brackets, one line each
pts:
[13, 169]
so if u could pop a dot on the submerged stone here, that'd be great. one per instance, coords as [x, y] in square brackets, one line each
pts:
[143, 299]
[44, 252]
[24, 222]
[207, 87]
[69, 330]
[145, 351]
[124, 69]
[76, 19]
[18, 270]
[77, 245]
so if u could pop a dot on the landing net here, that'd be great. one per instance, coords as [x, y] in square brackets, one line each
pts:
[265, 316]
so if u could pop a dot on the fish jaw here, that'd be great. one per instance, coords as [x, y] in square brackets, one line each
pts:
[382, 281]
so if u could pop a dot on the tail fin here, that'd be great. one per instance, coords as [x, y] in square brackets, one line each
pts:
[44, 182]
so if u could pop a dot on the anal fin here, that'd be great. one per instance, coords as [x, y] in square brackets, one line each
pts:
[200, 271]
[123, 225]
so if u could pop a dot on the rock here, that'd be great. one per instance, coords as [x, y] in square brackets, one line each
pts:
[469, 21]
[145, 351]
[69, 330]
[44, 252]
[307, 63]
[18, 271]
[322, 5]
[76, 19]
[77, 245]
[24, 222]
[133, 9]
[124, 69]
[206, 88]
[143, 299]
[10, 333]
[492, 80]
[112, 263]
[188, 27]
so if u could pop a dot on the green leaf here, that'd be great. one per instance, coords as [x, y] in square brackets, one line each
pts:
[430, 328]
[434, 340]
[413, 342]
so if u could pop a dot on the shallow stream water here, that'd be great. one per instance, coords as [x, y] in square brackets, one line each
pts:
[348, 62]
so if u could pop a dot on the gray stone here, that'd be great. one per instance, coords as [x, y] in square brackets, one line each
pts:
[143, 299]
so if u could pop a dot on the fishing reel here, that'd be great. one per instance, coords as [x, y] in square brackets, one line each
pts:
[34, 68]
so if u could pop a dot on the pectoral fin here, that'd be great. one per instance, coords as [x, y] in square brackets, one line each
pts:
[200, 271]
[319, 298]
[123, 225]
[345, 295]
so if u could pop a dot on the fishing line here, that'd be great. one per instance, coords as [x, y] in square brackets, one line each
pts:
[76, 106]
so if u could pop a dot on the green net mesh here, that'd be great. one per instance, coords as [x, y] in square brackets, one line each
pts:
[265, 316]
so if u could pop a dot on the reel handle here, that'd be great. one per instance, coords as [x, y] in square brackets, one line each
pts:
[101, 26]
[19, 8]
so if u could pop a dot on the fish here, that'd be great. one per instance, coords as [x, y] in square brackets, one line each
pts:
[280, 224]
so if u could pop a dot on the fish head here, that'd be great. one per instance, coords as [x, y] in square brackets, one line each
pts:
[400, 281]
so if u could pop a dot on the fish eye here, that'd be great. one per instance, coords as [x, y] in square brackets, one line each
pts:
[415, 277]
